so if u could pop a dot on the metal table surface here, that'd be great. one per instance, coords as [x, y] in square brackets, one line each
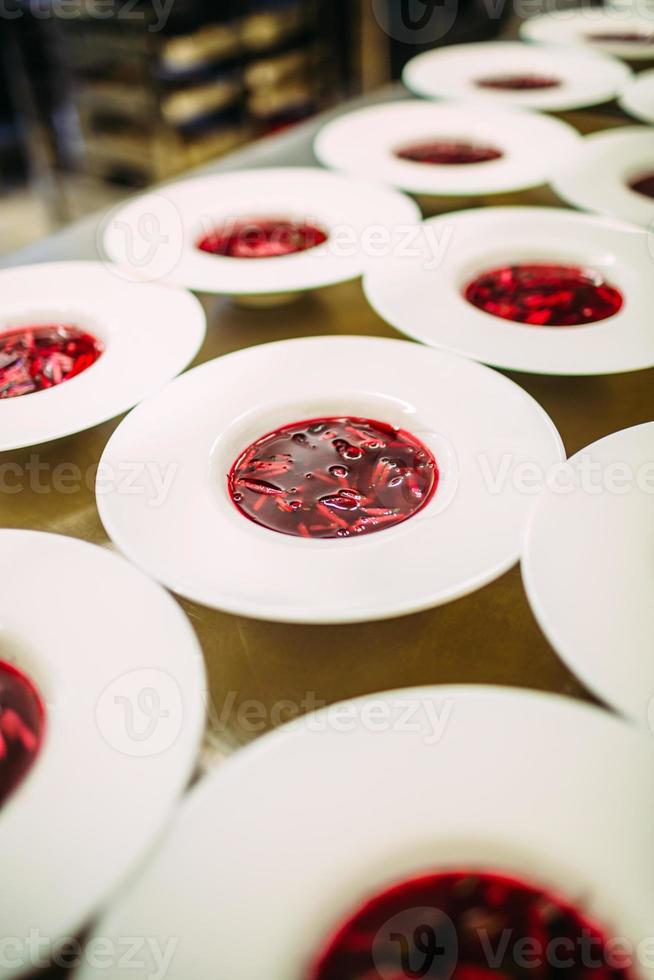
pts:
[261, 673]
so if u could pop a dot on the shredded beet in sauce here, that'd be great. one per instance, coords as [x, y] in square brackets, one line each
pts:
[22, 720]
[454, 925]
[519, 83]
[448, 152]
[38, 357]
[333, 478]
[622, 37]
[544, 295]
[262, 238]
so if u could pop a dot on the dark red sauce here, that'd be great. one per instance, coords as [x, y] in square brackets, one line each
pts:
[448, 151]
[333, 478]
[544, 295]
[38, 357]
[622, 37]
[518, 83]
[455, 924]
[22, 719]
[262, 238]
[643, 184]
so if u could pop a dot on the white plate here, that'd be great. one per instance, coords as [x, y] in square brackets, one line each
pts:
[422, 295]
[369, 792]
[577, 26]
[596, 179]
[155, 236]
[107, 649]
[150, 333]
[638, 97]
[453, 72]
[589, 572]
[199, 545]
[364, 143]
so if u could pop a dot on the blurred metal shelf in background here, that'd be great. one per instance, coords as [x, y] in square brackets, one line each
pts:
[136, 92]
[113, 94]
[153, 100]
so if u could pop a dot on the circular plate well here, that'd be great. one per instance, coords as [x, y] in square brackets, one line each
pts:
[198, 543]
[628, 35]
[368, 792]
[122, 678]
[597, 178]
[575, 79]
[156, 235]
[365, 142]
[149, 333]
[422, 295]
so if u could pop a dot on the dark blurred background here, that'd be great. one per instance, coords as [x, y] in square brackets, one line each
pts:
[98, 96]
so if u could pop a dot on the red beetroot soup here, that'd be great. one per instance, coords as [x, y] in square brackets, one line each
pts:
[544, 295]
[333, 478]
[448, 152]
[22, 720]
[262, 238]
[622, 37]
[518, 83]
[34, 358]
[454, 925]
[643, 184]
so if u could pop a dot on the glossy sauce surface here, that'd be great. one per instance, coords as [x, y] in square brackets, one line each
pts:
[262, 238]
[333, 478]
[544, 295]
[448, 152]
[518, 83]
[622, 37]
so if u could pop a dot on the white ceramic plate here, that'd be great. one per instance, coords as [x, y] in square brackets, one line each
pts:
[422, 295]
[155, 236]
[591, 27]
[454, 72]
[638, 97]
[597, 178]
[199, 545]
[150, 333]
[122, 677]
[589, 572]
[372, 791]
[365, 143]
